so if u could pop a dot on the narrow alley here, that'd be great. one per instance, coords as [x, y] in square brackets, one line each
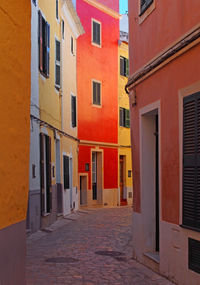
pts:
[90, 246]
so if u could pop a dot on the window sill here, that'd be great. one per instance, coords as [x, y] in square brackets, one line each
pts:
[190, 228]
[96, 106]
[46, 214]
[147, 12]
[96, 45]
[153, 255]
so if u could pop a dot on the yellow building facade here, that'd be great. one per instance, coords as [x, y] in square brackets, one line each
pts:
[14, 144]
[125, 163]
[71, 30]
[54, 144]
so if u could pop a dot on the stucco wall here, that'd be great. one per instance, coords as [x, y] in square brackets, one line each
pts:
[15, 51]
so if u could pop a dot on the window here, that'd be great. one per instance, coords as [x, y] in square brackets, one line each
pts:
[66, 171]
[96, 87]
[63, 29]
[96, 32]
[57, 64]
[34, 2]
[124, 118]
[144, 4]
[73, 110]
[72, 45]
[57, 9]
[124, 66]
[44, 45]
[191, 161]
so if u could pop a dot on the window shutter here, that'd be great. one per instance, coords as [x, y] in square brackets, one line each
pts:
[48, 172]
[56, 9]
[127, 118]
[40, 41]
[72, 45]
[98, 93]
[66, 171]
[73, 106]
[127, 67]
[96, 33]
[94, 93]
[121, 66]
[57, 64]
[121, 117]
[47, 47]
[42, 172]
[191, 161]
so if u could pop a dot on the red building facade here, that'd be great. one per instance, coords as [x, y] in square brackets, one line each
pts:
[97, 83]
[164, 91]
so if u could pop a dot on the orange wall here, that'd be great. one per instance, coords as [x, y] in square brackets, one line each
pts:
[169, 21]
[97, 124]
[15, 49]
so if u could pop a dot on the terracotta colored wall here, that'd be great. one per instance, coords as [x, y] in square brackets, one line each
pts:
[98, 124]
[169, 21]
[15, 49]
[113, 4]
[162, 86]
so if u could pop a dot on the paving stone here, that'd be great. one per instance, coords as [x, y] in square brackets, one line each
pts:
[78, 238]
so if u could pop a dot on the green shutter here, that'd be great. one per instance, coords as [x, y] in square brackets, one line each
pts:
[127, 118]
[127, 67]
[121, 66]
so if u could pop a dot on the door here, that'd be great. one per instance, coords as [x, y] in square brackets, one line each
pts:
[83, 190]
[94, 175]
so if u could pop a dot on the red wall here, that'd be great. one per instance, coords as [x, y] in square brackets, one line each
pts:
[162, 27]
[110, 159]
[97, 124]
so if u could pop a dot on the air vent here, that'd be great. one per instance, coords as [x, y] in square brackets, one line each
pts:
[194, 255]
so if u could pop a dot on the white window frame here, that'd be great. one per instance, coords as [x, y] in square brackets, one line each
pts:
[93, 43]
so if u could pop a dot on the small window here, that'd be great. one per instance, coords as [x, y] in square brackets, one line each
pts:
[96, 89]
[144, 5]
[96, 33]
[57, 9]
[73, 111]
[124, 66]
[63, 29]
[124, 117]
[72, 45]
[57, 64]
[34, 2]
[44, 44]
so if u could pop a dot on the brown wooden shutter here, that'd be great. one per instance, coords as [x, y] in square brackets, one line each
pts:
[42, 172]
[47, 47]
[40, 41]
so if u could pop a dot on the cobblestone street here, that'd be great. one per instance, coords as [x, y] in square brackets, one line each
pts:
[92, 246]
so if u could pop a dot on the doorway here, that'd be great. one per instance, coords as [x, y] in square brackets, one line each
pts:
[83, 190]
[123, 198]
[150, 179]
[97, 177]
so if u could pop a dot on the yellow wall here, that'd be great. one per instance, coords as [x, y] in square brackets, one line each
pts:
[15, 54]
[69, 146]
[124, 133]
[49, 96]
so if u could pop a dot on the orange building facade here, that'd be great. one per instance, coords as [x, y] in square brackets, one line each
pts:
[164, 94]
[15, 54]
[97, 88]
